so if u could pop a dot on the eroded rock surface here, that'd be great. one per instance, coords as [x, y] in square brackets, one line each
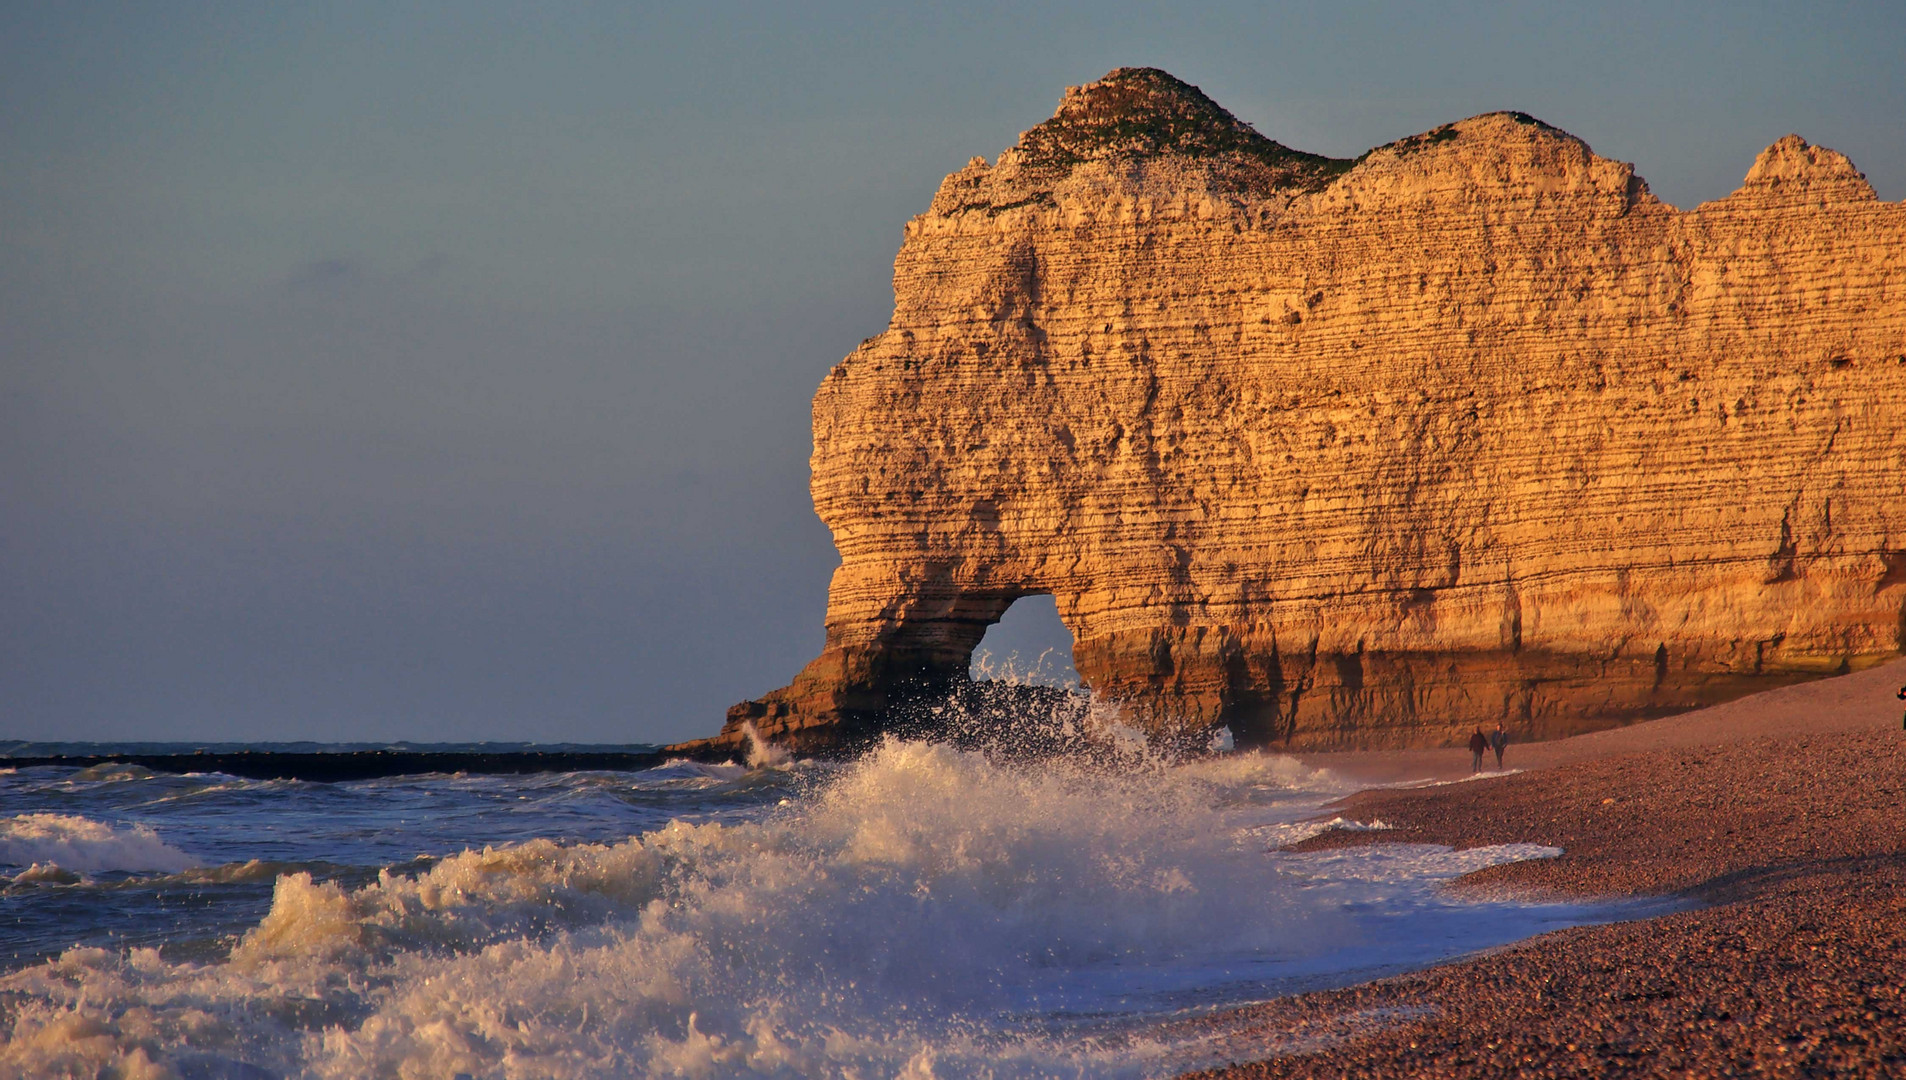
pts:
[1365, 453]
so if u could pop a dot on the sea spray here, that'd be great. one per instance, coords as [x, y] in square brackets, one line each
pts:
[903, 908]
[923, 911]
[761, 752]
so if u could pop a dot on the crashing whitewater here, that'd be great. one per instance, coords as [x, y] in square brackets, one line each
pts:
[925, 911]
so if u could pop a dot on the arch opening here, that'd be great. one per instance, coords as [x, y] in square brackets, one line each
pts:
[1029, 644]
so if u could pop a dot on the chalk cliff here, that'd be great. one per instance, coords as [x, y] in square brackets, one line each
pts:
[1366, 452]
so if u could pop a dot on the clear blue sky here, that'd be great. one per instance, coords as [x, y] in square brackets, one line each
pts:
[441, 371]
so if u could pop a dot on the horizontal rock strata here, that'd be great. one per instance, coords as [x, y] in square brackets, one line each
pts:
[1366, 453]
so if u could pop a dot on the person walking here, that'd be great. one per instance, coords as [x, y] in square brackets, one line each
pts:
[1477, 744]
[1497, 740]
[1902, 697]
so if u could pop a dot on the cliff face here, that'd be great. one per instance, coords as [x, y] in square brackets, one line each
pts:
[1365, 453]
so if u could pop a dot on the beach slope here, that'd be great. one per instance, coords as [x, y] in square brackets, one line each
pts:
[1775, 819]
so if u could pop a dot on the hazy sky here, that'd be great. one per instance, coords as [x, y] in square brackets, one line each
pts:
[441, 371]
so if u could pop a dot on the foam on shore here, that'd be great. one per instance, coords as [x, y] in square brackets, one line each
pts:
[925, 912]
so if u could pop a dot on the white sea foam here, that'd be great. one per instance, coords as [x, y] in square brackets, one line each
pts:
[928, 912]
[1488, 774]
[683, 768]
[761, 752]
[82, 845]
[1283, 834]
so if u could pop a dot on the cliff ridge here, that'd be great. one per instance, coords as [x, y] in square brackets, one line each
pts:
[1362, 453]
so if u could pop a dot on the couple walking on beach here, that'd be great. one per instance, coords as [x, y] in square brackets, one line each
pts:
[1499, 738]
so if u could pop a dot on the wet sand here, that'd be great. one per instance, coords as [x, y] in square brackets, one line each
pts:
[1777, 821]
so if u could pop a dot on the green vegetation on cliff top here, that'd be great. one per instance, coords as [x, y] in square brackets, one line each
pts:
[1145, 112]
[1148, 113]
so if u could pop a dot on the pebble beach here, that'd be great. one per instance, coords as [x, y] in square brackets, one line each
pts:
[1770, 832]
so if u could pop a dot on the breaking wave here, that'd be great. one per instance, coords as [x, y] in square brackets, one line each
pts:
[920, 892]
[47, 843]
[926, 911]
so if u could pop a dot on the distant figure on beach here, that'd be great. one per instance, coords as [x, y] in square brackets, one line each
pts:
[1902, 697]
[1477, 744]
[1497, 740]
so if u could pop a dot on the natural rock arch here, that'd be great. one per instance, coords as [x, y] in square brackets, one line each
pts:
[1364, 452]
[1030, 642]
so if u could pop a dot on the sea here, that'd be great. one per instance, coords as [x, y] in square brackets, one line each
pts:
[927, 910]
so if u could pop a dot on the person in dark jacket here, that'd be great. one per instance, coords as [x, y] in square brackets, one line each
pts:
[1902, 697]
[1497, 740]
[1477, 744]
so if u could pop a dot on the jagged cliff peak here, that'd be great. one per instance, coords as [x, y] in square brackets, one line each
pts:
[1142, 112]
[1143, 133]
[1487, 127]
[1793, 165]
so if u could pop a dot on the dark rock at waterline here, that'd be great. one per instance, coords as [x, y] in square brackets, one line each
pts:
[1005, 720]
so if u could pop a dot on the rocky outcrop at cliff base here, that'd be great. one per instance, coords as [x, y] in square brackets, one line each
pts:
[1366, 452]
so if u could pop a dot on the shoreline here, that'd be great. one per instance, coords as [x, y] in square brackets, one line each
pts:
[1777, 817]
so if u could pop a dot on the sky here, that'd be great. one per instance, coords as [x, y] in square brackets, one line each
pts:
[440, 372]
